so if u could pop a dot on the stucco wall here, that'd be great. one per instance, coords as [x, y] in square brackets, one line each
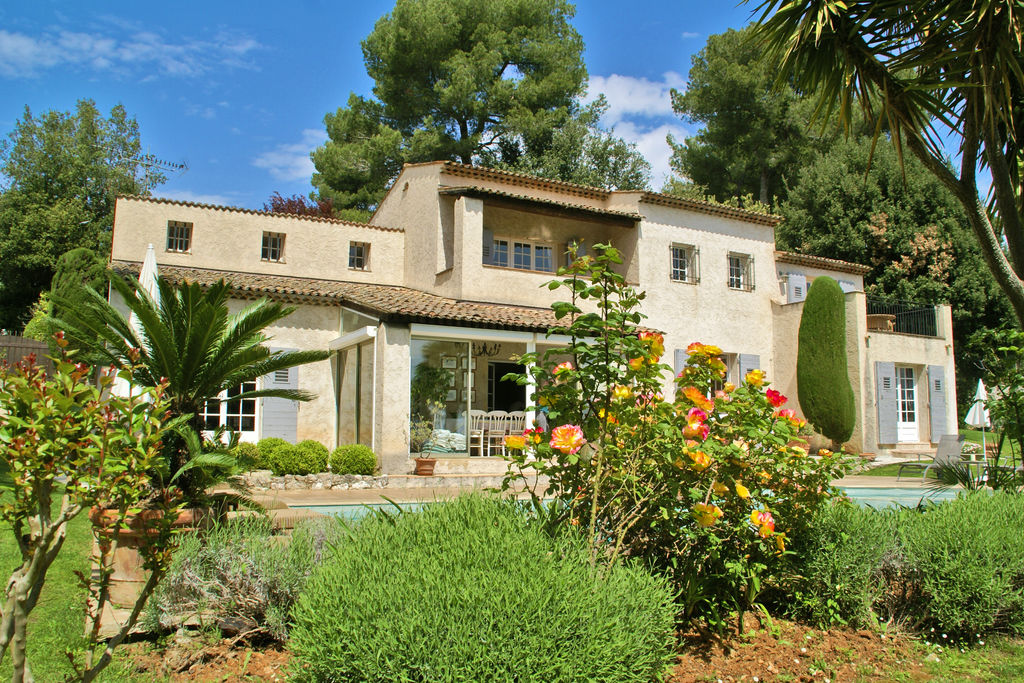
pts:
[225, 239]
[740, 322]
[391, 429]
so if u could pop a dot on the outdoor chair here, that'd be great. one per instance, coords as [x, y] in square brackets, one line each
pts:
[477, 422]
[949, 452]
[516, 422]
[495, 430]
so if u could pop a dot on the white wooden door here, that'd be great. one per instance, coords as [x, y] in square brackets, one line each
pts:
[906, 405]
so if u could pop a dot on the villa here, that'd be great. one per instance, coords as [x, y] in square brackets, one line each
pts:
[449, 273]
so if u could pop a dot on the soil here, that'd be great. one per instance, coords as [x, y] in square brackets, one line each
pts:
[785, 651]
[779, 651]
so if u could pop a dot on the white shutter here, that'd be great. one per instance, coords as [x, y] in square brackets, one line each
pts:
[680, 360]
[748, 362]
[280, 416]
[885, 398]
[937, 401]
[797, 288]
[847, 286]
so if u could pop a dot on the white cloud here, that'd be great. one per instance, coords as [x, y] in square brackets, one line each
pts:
[23, 55]
[651, 142]
[291, 161]
[689, 34]
[199, 198]
[628, 96]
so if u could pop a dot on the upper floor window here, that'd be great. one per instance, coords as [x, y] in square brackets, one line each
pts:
[359, 255]
[179, 236]
[522, 255]
[684, 263]
[741, 271]
[273, 246]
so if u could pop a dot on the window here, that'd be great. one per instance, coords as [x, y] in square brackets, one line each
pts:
[179, 236]
[359, 255]
[523, 255]
[499, 254]
[684, 263]
[273, 246]
[741, 272]
[239, 415]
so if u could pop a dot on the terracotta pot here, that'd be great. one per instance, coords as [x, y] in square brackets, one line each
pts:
[128, 575]
[425, 466]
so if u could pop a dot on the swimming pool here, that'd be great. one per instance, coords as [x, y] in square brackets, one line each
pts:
[862, 495]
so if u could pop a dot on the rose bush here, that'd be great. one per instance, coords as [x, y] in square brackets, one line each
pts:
[705, 487]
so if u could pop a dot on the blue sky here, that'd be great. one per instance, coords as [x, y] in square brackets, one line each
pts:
[238, 91]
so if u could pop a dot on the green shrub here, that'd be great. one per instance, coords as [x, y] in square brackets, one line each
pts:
[471, 590]
[965, 556]
[839, 562]
[823, 385]
[353, 459]
[266, 448]
[239, 571]
[307, 457]
[247, 454]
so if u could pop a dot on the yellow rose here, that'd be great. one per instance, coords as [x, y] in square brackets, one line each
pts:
[742, 491]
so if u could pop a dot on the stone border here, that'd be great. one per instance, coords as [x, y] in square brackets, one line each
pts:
[264, 480]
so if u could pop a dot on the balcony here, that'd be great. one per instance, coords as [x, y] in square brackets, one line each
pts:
[903, 317]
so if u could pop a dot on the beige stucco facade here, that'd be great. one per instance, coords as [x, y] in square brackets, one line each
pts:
[430, 238]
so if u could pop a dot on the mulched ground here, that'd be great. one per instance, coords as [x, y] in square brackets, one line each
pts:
[781, 651]
[791, 652]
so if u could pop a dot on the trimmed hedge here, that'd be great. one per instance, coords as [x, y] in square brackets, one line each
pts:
[470, 590]
[353, 459]
[248, 455]
[823, 385]
[307, 457]
[954, 566]
[266, 448]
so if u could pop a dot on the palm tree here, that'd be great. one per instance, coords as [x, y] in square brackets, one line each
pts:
[187, 339]
[927, 69]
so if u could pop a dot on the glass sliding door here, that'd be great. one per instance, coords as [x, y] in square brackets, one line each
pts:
[440, 394]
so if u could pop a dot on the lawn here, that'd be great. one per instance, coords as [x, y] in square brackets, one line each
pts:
[970, 435]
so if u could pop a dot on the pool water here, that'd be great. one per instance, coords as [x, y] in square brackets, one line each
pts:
[865, 496]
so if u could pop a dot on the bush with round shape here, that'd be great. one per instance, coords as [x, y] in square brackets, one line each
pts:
[247, 454]
[266, 448]
[353, 459]
[823, 384]
[472, 590]
[315, 447]
[300, 459]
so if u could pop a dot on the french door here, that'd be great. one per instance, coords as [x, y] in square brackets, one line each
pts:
[906, 405]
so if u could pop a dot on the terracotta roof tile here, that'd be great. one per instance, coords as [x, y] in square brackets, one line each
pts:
[237, 209]
[475, 190]
[821, 262]
[713, 208]
[390, 303]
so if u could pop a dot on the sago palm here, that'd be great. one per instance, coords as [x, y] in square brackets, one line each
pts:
[187, 338]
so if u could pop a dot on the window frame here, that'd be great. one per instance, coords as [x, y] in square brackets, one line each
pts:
[746, 274]
[504, 254]
[174, 237]
[222, 402]
[691, 261]
[267, 247]
[364, 256]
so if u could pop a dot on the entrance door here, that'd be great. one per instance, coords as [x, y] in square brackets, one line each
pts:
[508, 395]
[906, 405]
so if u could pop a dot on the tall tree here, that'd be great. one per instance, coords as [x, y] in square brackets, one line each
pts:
[62, 172]
[494, 82]
[751, 133]
[932, 71]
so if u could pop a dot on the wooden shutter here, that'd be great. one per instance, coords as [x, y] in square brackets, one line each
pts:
[488, 246]
[748, 362]
[797, 289]
[937, 401]
[280, 416]
[680, 361]
[885, 399]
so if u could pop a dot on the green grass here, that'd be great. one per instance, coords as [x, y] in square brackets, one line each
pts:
[1000, 659]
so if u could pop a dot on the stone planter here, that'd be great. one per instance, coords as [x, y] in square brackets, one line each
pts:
[425, 466]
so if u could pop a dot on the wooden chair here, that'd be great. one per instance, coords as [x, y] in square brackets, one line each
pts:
[477, 422]
[496, 431]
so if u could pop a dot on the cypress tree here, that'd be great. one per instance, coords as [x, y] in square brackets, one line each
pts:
[826, 397]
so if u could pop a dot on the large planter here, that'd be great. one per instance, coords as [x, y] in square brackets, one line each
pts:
[128, 574]
[425, 466]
